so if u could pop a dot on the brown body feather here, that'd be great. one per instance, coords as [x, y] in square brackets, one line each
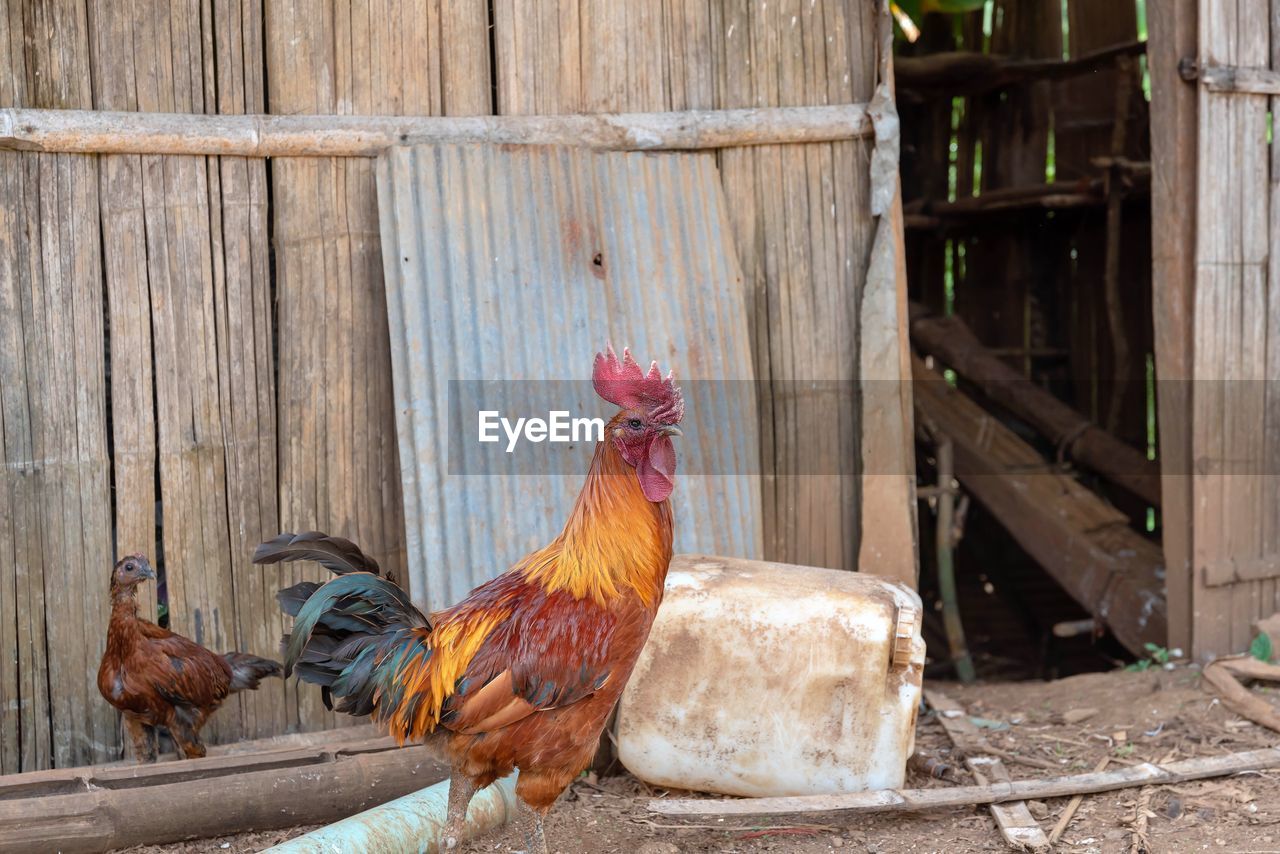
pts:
[157, 678]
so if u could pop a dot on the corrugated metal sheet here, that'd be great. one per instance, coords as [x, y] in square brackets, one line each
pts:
[518, 263]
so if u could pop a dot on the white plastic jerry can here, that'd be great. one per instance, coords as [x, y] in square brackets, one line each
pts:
[764, 679]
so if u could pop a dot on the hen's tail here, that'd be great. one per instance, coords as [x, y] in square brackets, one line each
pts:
[248, 670]
[352, 634]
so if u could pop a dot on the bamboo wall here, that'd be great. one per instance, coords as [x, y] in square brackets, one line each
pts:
[194, 350]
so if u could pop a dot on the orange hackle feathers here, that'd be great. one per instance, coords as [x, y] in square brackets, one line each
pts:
[616, 541]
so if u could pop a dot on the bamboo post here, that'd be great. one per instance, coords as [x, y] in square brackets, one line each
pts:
[104, 132]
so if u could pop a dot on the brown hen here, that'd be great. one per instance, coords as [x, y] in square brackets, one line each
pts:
[161, 679]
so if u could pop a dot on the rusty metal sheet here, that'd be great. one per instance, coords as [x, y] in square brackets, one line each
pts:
[507, 268]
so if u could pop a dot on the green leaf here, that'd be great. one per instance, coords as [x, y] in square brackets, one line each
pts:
[1261, 647]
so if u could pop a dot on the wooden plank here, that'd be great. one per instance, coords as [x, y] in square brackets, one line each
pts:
[1231, 437]
[106, 132]
[889, 541]
[1173, 226]
[1016, 823]
[338, 462]
[1018, 827]
[1083, 542]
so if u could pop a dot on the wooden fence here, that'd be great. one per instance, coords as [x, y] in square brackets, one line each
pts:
[194, 351]
[1217, 319]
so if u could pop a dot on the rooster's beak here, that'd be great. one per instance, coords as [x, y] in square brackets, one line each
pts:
[672, 430]
[148, 572]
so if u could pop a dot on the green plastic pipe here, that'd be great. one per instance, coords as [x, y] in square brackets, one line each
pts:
[409, 824]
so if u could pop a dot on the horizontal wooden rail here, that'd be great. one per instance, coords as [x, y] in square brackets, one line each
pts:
[950, 74]
[94, 132]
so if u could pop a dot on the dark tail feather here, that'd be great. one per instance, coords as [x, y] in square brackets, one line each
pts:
[344, 629]
[292, 599]
[335, 554]
[248, 670]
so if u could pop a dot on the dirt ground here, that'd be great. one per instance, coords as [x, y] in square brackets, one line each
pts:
[1154, 715]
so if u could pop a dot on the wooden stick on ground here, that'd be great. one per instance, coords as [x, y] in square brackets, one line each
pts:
[1141, 812]
[918, 800]
[1221, 675]
[1017, 825]
[1074, 804]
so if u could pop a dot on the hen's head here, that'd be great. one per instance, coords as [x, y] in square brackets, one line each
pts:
[130, 571]
[652, 407]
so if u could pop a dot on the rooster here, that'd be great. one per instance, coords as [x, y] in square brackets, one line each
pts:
[160, 679]
[525, 671]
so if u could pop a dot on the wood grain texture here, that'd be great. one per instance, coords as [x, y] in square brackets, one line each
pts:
[1173, 213]
[56, 481]
[800, 213]
[338, 459]
[116, 132]
[1234, 415]
[189, 288]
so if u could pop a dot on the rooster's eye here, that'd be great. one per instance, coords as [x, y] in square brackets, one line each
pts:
[635, 423]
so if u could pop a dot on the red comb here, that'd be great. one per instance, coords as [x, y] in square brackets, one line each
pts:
[624, 384]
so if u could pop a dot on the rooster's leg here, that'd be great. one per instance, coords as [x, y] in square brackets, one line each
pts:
[144, 746]
[530, 822]
[461, 789]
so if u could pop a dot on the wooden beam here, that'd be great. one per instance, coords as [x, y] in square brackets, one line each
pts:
[193, 799]
[98, 132]
[1174, 164]
[1083, 542]
[1062, 195]
[950, 340]
[940, 75]
[236, 758]
[918, 800]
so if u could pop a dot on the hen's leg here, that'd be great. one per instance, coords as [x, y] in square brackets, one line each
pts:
[144, 749]
[461, 790]
[529, 820]
[186, 738]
